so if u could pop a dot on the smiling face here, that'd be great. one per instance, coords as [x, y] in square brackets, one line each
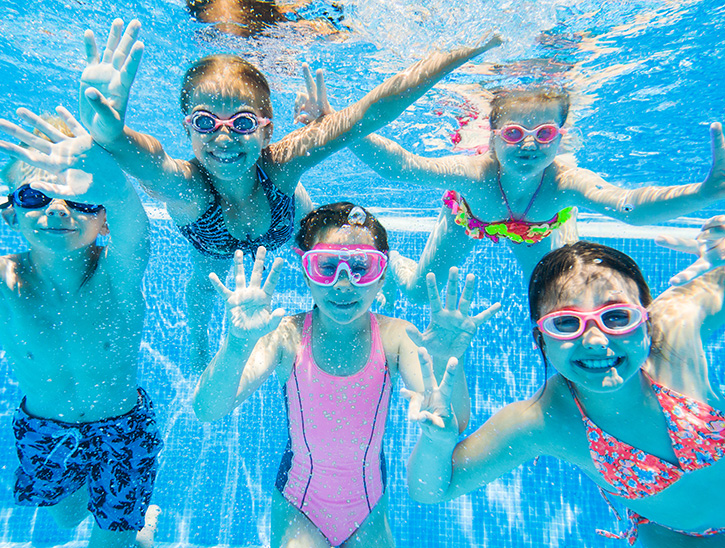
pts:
[595, 361]
[57, 227]
[527, 155]
[344, 302]
[224, 153]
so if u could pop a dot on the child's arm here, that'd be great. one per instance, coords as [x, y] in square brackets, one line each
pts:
[448, 335]
[386, 157]
[440, 468]
[252, 347]
[699, 294]
[307, 146]
[87, 174]
[650, 204]
[105, 87]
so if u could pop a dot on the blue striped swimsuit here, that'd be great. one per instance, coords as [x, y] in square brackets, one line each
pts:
[210, 236]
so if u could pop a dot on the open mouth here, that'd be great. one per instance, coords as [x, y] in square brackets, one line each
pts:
[599, 364]
[344, 306]
[226, 157]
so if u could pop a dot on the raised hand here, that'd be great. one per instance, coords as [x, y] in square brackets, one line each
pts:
[451, 327]
[714, 185]
[106, 81]
[432, 408]
[709, 245]
[249, 306]
[312, 105]
[74, 159]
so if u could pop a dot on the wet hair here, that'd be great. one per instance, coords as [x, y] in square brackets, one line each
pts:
[503, 99]
[335, 216]
[225, 75]
[562, 261]
[237, 17]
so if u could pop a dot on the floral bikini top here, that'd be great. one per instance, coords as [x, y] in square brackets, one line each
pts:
[697, 432]
[519, 230]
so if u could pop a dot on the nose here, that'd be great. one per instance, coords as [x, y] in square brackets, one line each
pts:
[593, 337]
[57, 208]
[343, 281]
[528, 142]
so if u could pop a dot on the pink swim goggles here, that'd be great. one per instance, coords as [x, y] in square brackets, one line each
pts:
[544, 134]
[243, 123]
[612, 319]
[363, 264]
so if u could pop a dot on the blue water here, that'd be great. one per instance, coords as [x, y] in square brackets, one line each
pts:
[646, 75]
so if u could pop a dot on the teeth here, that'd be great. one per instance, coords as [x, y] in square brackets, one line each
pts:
[602, 363]
[226, 156]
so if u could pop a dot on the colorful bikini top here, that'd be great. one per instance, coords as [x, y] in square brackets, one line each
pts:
[697, 432]
[519, 230]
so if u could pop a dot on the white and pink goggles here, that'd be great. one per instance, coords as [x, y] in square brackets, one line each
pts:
[364, 264]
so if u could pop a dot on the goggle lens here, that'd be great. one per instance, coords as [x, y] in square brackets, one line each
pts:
[615, 319]
[30, 198]
[364, 265]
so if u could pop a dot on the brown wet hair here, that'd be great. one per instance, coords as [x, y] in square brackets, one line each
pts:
[335, 215]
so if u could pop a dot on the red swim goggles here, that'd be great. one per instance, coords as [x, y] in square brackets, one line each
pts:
[243, 123]
[544, 134]
[612, 319]
[364, 264]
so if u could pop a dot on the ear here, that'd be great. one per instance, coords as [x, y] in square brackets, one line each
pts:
[104, 230]
[268, 129]
[538, 338]
[10, 217]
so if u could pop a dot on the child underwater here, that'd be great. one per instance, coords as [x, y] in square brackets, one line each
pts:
[630, 404]
[71, 318]
[331, 481]
[495, 195]
[240, 191]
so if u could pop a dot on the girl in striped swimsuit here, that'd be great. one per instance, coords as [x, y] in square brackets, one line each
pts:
[336, 364]
[240, 190]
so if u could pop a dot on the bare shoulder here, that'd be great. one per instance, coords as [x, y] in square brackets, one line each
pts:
[288, 334]
[548, 418]
[392, 331]
[10, 272]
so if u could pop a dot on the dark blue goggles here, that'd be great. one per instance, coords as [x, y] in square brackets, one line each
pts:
[29, 198]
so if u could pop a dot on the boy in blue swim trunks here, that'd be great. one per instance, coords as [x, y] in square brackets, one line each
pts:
[71, 317]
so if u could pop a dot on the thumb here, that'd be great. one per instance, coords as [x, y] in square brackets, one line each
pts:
[415, 335]
[686, 245]
[101, 105]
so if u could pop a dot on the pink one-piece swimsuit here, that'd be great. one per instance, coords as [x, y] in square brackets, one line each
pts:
[333, 469]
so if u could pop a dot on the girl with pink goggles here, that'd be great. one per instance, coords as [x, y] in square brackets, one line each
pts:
[364, 264]
[612, 319]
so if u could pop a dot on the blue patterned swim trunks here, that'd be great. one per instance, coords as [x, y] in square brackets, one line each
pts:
[115, 458]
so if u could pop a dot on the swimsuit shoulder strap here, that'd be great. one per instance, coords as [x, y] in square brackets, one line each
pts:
[576, 399]
[506, 201]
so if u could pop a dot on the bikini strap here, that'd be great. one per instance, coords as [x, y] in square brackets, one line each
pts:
[506, 201]
[576, 399]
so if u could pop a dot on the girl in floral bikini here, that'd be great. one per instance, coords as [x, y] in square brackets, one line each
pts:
[519, 191]
[631, 403]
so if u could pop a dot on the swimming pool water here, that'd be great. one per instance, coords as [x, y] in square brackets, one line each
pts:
[646, 73]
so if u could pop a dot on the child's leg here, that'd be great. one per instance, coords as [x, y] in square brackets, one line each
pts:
[447, 246]
[200, 299]
[375, 530]
[72, 510]
[111, 539]
[291, 528]
[145, 537]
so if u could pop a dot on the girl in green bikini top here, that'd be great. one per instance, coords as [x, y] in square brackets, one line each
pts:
[519, 178]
